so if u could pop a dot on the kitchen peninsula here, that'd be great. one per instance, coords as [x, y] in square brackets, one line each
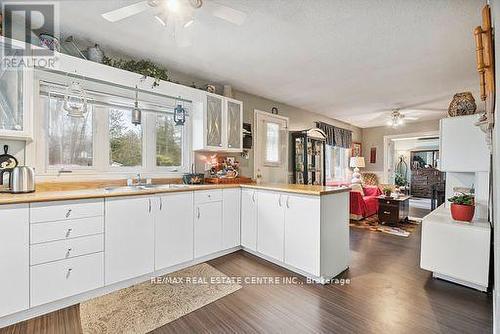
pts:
[62, 247]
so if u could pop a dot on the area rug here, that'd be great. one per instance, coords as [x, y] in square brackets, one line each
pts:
[146, 306]
[372, 224]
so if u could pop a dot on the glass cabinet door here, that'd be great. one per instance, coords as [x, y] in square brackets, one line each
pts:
[214, 121]
[11, 98]
[234, 125]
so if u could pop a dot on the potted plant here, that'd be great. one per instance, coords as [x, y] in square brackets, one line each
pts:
[462, 207]
[387, 191]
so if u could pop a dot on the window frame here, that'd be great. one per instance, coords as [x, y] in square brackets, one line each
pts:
[101, 168]
[272, 163]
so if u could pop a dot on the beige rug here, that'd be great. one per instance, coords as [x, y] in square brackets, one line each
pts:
[146, 306]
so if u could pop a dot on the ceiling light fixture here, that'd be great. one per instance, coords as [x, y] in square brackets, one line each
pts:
[396, 119]
[173, 5]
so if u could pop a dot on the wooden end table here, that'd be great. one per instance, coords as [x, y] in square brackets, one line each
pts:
[393, 210]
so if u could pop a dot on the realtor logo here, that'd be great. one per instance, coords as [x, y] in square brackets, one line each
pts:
[23, 25]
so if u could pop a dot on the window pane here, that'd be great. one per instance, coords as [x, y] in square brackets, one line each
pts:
[125, 139]
[272, 142]
[168, 141]
[70, 138]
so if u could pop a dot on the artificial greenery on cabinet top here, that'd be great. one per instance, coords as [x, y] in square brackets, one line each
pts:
[145, 67]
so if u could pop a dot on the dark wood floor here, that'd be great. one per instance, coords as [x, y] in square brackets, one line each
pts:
[388, 294]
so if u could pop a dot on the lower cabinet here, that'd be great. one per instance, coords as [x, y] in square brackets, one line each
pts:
[302, 233]
[249, 219]
[231, 218]
[174, 230]
[270, 229]
[207, 228]
[14, 258]
[55, 280]
[129, 237]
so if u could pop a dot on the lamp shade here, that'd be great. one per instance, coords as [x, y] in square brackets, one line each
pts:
[357, 162]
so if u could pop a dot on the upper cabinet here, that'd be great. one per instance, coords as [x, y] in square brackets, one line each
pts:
[16, 96]
[463, 146]
[220, 127]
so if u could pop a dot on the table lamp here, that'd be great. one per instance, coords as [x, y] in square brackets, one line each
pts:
[356, 163]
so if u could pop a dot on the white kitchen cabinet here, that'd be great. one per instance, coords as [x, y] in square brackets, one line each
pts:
[234, 124]
[463, 145]
[16, 95]
[249, 218]
[14, 258]
[455, 251]
[218, 126]
[129, 237]
[231, 218]
[302, 233]
[270, 224]
[207, 228]
[174, 230]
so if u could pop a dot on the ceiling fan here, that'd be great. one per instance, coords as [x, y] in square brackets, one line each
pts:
[397, 118]
[178, 9]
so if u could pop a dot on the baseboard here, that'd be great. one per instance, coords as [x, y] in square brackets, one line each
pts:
[73, 300]
[461, 282]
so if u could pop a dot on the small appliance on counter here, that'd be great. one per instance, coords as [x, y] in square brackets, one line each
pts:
[21, 179]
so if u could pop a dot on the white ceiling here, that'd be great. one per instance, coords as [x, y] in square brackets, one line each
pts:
[351, 60]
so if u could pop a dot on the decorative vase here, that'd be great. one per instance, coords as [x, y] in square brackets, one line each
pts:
[462, 104]
[463, 213]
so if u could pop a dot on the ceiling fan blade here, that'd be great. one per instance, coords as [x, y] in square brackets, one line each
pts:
[410, 118]
[228, 14]
[127, 11]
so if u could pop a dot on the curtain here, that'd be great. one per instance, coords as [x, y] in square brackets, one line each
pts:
[336, 136]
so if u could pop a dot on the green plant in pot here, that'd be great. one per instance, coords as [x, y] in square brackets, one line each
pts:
[387, 191]
[462, 207]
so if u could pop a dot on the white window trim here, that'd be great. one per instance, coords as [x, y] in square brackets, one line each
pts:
[38, 150]
[273, 163]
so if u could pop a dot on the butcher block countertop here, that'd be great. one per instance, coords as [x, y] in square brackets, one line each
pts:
[117, 191]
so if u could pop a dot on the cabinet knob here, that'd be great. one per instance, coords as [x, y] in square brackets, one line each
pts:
[69, 272]
[68, 213]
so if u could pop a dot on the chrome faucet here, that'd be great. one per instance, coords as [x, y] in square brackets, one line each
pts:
[138, 180]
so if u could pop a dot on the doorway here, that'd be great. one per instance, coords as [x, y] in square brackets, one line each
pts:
[271, 147]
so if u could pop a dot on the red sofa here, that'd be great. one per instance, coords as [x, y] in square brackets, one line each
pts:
[362, 206]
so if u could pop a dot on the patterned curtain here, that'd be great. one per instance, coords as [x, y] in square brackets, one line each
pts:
[336, 136]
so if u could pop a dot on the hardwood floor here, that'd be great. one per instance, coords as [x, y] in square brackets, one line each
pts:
[388, 293]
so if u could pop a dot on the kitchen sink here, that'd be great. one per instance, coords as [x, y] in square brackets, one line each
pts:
[145, 187]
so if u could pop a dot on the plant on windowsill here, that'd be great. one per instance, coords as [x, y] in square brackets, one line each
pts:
[462, 207]
[387, 191]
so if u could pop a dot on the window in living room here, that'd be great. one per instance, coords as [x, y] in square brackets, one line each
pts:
[337, 163]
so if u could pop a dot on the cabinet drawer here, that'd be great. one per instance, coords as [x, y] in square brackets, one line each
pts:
[61, 230]
[65, 249]
[64, 210]
[204, 196]
[60, 279]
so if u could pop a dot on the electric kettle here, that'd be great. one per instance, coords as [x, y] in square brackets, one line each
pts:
[21, 179]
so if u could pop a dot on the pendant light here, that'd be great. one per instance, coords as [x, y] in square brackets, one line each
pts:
[75, 100]
[179, 114]
[136, 112]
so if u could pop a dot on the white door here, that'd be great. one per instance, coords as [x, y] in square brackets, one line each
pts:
[249, 219]
[14, 258]
[129, 238]
[270, 228]
[302, 233]
[271, 147]
[174, 230]
[207, 228]
[231, 218]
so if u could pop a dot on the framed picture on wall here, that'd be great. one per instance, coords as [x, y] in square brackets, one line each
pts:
[356, 150]
[373, 155]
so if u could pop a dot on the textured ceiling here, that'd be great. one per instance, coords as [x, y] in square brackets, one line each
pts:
[352, 60]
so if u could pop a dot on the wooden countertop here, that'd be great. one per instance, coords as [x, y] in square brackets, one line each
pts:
[45, 196]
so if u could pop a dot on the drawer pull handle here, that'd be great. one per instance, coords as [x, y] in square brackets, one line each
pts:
[198, 214]
[67, 253]
[253, 197]
[68, 232]
[68, 272]
[387, 212]
[161, 203]
[287, 200]
[279, 201]
[209, 196]
[68, 213]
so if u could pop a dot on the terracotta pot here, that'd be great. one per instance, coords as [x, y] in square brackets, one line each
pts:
[463, 213]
